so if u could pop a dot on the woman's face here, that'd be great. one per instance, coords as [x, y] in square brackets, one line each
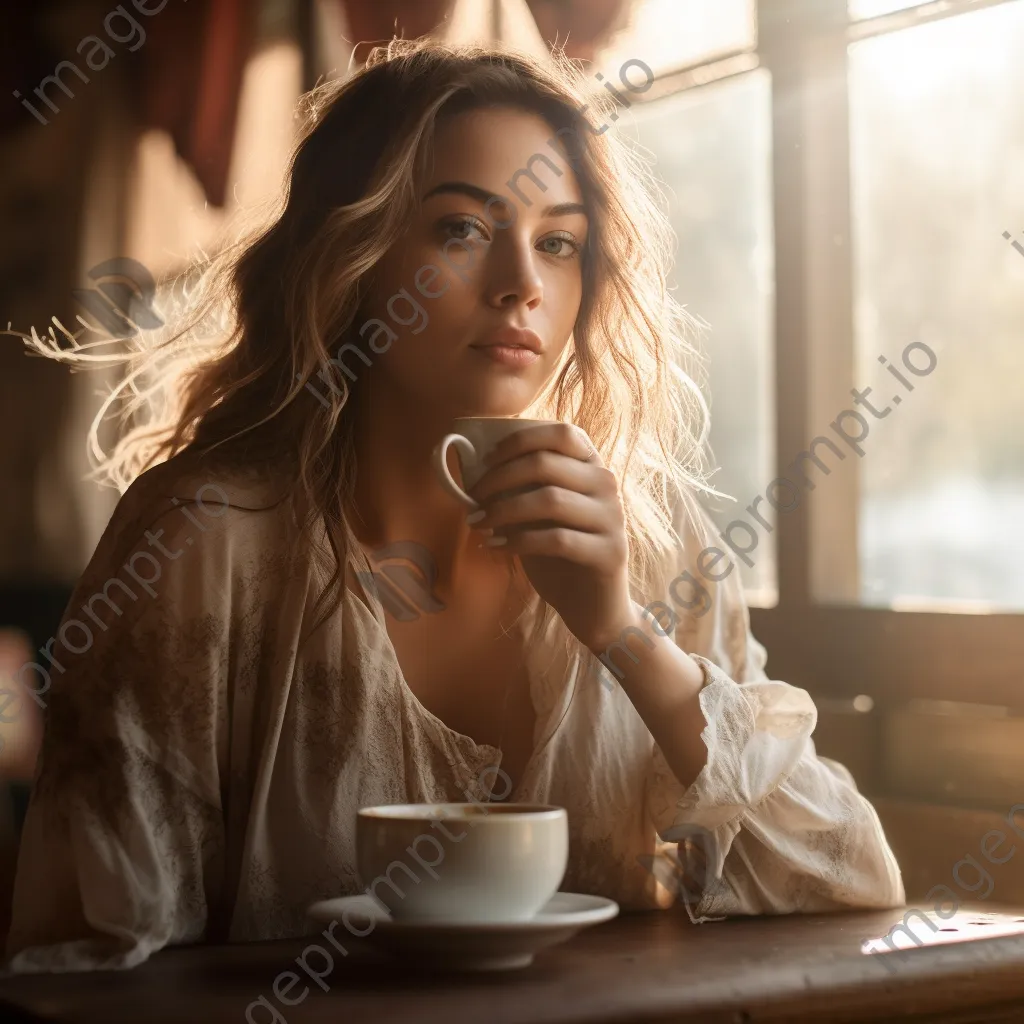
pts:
[475, 305]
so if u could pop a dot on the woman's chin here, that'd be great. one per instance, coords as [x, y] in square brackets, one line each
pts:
[503, 409]
[496, 404]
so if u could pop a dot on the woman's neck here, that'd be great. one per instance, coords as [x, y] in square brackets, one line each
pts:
[397, 496]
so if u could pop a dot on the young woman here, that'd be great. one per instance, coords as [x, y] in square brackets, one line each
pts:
[288, 618]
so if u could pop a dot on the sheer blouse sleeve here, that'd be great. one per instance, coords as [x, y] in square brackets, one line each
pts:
[768, 826]
[122, 849]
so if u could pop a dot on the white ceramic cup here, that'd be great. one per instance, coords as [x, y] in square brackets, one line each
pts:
[475, 438]
[462, 863]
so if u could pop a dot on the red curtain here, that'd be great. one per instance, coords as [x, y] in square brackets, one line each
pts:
[191, 79]
[376, 21]
[188, 76]
[581, 25]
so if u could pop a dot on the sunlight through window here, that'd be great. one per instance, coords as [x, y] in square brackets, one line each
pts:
[935, 134]
[670, 34]
[860, 9]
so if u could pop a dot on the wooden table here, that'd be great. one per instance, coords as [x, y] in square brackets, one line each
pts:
[651, 967]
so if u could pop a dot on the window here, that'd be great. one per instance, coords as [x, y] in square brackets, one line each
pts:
[711, 149]
[671, 34]
[713, 152]
[935, 117]
[841, 175]
[876, 8]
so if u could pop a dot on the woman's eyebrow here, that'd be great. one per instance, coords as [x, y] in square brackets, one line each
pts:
[564, 210]
[482, 195]
[462, 188]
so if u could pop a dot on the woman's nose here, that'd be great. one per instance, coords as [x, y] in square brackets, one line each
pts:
[515, 278]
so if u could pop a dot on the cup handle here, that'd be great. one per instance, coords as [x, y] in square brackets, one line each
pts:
[465, 448]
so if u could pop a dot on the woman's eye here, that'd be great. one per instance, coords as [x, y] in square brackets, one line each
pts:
[462, 228]
[559, 246]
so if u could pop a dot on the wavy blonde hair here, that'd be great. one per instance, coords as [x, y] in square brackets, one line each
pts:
[283, 297]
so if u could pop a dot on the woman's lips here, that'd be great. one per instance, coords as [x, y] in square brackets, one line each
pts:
[508, 355]
[512, 346]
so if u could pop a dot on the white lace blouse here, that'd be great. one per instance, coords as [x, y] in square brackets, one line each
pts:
[203, 759]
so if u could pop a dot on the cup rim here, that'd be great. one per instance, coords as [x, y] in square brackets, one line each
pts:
[435, 812]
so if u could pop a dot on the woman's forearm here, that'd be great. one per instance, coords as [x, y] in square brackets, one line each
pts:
[664, 683]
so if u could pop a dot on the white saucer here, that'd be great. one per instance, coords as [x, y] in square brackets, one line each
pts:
[464, 947]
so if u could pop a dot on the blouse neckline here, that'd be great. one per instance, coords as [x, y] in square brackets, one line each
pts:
[546, 681]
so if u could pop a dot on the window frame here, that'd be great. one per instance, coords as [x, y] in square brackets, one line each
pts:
[817, 635]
